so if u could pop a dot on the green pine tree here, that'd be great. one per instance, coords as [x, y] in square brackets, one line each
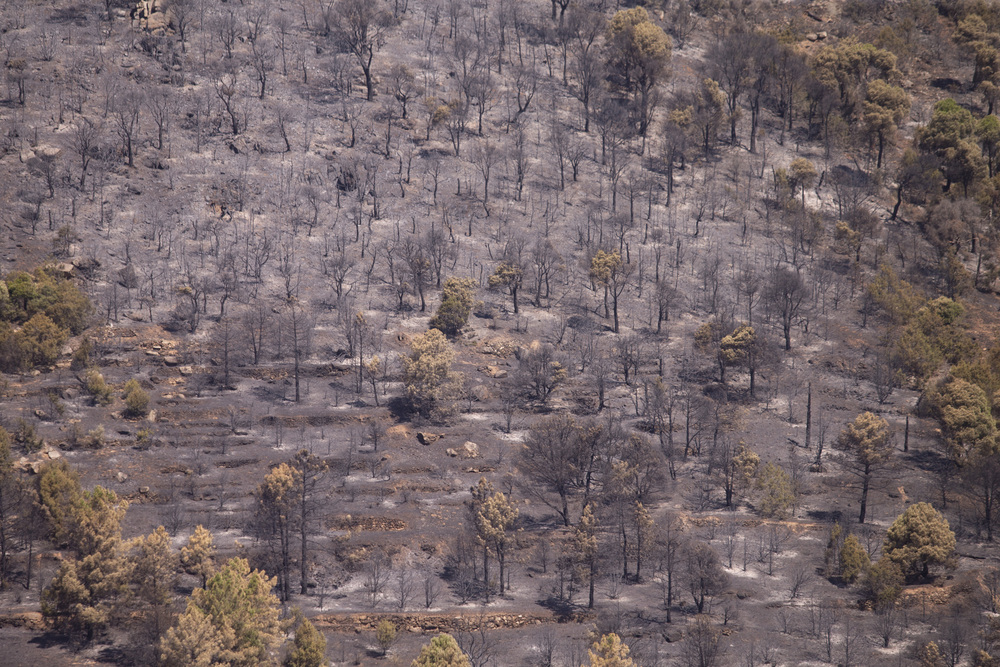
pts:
[919, 538]
[244, 612]
[309, 649]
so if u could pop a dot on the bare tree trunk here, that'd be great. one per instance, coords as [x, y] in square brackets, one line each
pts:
[864, 496]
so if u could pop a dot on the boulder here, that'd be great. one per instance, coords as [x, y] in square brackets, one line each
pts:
[121, 477]
[25, 619]
[428, 438]
[470, 450]
[451, 452]
[494, 372]
[398, 431]
[672, 634]
[158, 23]
[86, 264]
[47, 151]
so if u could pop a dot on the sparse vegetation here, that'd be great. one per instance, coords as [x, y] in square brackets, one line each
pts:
[692, 297]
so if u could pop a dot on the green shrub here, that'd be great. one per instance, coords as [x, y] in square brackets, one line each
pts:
[12, 353]
[450, 317]
[75, 437]
[42, 339]
[37, 343]
[136, 399]
[457, 300]
[97, 387]
[81, 355]
[883, 583]
[27, 437]
[777, 493]
[385, 635]
[95, 438]
[143, 438]
[58, 492]
[854, 560]
[22, 295]
[45, 291]
[57, 404]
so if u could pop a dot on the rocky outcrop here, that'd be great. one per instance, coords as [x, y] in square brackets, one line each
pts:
[433, 623]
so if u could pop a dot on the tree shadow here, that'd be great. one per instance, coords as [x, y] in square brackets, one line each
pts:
[928, 460]
[52, 639]
[400, 409]
[563, 610]
[546, 520]
[115, 656]
[826, 516]
[266, 393]
[947, 83]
